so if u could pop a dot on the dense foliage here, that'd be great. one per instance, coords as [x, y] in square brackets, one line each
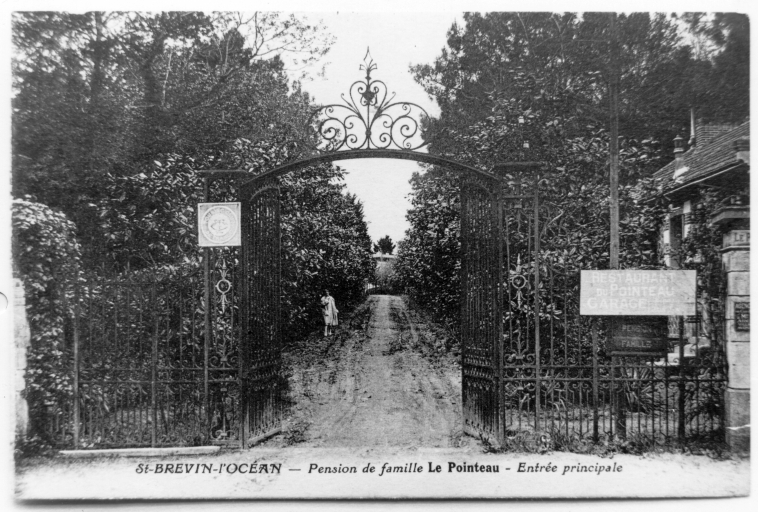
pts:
[100, 96]
[428, 264]
[115, 114]
[326, 245]
[46, 253]
[534, 87]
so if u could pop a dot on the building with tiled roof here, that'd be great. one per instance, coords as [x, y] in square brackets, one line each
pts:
[718, 160]
[718, 152]
[718, 157]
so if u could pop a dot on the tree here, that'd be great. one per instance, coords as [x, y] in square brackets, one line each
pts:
[558, 63]
[325, 245]
[429, 256]
[516, 87]
[725, 44]
[166, 95]
[384, 245]
[100, 96]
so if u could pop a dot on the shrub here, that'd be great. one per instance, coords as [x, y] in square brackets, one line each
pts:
[46, 256]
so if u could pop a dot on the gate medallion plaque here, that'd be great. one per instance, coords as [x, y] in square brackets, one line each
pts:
[218, 224]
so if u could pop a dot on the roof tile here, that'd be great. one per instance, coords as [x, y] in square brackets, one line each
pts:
[704, 159]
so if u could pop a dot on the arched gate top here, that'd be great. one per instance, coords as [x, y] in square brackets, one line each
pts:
[370, 153]
[369, 123]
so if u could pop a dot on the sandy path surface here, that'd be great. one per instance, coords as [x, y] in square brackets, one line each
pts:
[373, 387]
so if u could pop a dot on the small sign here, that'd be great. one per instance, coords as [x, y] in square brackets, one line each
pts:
[219, 224]
[737, 238]
[643, 335]
[637, 292]
[742, 316]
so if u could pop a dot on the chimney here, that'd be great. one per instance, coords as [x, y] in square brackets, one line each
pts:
[693, 140]
[678, 151]
[742, 148]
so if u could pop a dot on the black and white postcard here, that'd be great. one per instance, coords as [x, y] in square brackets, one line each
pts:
[344, 252]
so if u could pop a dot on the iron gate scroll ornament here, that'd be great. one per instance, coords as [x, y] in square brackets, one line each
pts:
[369, 119]
[218, 224]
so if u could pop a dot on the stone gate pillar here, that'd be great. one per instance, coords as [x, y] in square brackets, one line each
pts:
[736, 258]
[21, 338]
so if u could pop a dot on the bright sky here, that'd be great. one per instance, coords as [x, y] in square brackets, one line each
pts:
[396, 40]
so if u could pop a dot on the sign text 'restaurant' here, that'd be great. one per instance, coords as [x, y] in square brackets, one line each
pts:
[638, 292]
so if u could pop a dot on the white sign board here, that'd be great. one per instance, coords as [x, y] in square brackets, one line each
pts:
[637, 292]
[218, 224]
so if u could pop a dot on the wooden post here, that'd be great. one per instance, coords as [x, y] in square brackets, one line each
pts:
[614, 145]
[614, 197]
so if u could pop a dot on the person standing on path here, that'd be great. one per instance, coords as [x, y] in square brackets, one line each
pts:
[330, 313]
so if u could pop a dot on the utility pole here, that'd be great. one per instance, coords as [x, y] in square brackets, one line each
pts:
[614, 84]
[614, 144]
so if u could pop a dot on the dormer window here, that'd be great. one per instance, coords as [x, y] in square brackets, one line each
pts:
[679, 174]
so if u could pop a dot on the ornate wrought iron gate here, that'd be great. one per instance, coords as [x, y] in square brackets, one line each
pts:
[560, 386]
[166, 361]
[261, 311]
[481, 307]
[522, 372]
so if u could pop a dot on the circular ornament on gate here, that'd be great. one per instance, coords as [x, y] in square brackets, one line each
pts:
[223, 286]
[219, 224]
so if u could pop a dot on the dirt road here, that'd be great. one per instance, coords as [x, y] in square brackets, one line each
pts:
[371, 385]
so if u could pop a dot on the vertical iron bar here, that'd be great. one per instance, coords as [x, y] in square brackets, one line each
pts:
[620, 394]
[666, 398]
[551, 359]
[595, 376]
[613, 396]
[278, 319]
[680, 419]
[620, 401]
[207, 337]
[537, 298]
[245, 319]
[76, 359]
[500, 413]
[652, 396]
[638, 380]
[153, 371]
[465, 292]
[90, 344]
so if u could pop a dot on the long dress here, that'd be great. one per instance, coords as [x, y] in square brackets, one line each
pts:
[330, 310]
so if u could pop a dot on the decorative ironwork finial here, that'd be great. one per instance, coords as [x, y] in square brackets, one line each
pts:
[369, 119]
[368, 64]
